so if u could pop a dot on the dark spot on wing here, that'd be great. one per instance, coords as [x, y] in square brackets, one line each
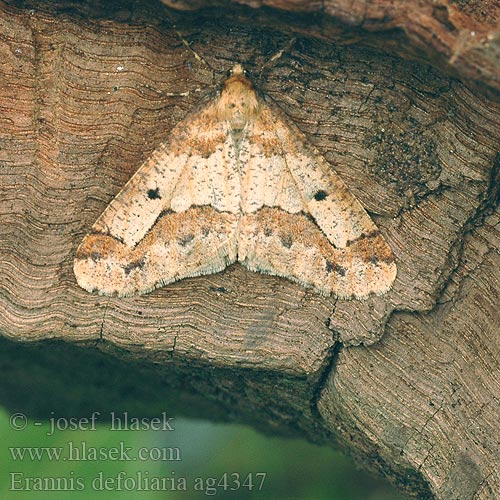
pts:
[362, 236]
[286, 240]
[268, 232]
[334, 267]
[138, 264]
[320, 195]
[154, 194]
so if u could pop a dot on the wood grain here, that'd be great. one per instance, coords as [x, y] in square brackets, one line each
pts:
[460, 37]
[88, 90]
[426, 396]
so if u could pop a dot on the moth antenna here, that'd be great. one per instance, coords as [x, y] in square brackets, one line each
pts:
[276, 56]
[196, 55]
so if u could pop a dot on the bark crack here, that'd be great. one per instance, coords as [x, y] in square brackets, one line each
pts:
[475, 221]
[329, 364]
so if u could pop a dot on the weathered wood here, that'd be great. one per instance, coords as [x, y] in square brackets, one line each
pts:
[461, 37]
[85, 96]
[426, 397]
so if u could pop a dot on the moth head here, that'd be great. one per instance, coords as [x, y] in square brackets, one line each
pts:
[238, 102]
[237, 70]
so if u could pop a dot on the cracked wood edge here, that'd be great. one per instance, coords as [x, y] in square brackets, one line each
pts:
[427, 396]
[46, 186]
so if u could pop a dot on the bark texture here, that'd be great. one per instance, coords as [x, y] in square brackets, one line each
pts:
[402, 98]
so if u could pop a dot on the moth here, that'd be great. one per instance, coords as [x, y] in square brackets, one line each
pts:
[235, 183]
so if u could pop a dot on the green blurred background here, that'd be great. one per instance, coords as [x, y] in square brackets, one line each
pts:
[294, 468]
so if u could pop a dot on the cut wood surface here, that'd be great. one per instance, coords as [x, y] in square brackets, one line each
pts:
[400, 98]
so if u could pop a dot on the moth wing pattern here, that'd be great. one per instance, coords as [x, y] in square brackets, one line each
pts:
[176, 217]
[235, 182]
[308, 227]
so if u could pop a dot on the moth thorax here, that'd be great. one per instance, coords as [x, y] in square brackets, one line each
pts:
[238, 103]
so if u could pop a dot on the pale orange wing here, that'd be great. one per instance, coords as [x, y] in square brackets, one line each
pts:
[301, 221]
[176, 217]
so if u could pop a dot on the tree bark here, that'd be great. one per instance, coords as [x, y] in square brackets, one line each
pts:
[402, 98]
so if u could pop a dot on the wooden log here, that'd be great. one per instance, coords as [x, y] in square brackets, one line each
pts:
[400, 98]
